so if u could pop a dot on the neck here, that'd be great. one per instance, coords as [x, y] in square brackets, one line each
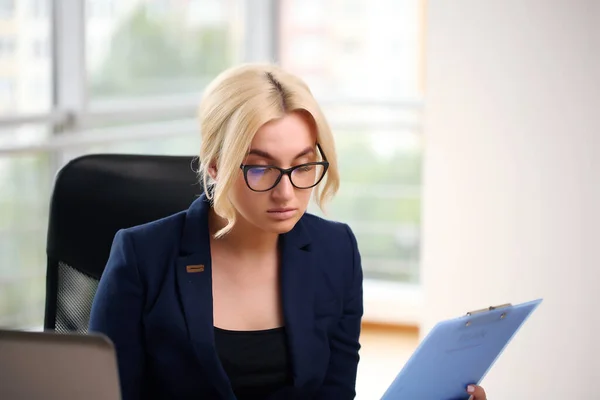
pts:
[244, 238]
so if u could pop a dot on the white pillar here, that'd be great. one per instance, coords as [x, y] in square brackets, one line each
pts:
[512, 183]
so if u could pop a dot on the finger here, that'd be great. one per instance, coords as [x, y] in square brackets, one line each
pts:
[476, 392]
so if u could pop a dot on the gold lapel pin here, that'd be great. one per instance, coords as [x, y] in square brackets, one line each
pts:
[194, 268]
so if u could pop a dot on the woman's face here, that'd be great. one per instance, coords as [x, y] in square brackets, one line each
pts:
[284, 143]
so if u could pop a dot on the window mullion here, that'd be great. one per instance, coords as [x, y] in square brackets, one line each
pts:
[69, 64]
[261, 31]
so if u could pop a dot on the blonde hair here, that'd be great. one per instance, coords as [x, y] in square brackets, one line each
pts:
[234, 106]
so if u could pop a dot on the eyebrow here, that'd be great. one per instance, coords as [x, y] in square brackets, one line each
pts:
[264, 154]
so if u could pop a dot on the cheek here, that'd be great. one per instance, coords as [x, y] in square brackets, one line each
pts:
[245, 201]
[240, 195]
[304, 197]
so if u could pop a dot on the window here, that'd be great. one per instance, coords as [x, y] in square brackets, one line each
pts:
[24, 58]
[40, 9]
[7, 8]
[134, 72]
[307, 13]
[7, 93]
[40, 49]
[155, 47]
[25, 183]
[25, 177]
[99, 9]
[309, 51]
[7, 48]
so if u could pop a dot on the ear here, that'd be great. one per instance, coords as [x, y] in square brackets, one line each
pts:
[212, 171]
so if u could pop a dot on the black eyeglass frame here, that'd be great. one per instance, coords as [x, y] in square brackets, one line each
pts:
[287, 171]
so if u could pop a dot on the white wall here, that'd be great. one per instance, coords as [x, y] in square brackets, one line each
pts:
[512, 183]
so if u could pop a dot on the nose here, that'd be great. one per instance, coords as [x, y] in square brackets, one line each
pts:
[284, 191]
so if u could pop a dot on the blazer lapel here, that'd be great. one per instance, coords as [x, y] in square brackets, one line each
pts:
[194, 278]
[298, 299]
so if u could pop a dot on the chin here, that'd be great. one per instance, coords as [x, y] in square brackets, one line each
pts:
[281, 227]
[284, 228]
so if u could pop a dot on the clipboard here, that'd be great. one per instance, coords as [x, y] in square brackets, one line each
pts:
[458, 352]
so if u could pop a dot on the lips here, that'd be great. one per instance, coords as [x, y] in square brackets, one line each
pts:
[282, 214]
[280, 210]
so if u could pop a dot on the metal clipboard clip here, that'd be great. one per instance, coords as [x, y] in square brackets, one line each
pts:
[491, 308]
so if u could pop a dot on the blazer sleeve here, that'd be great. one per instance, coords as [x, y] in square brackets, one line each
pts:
[117, 313]
[340, 380]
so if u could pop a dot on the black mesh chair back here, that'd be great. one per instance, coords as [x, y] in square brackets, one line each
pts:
[94, 196]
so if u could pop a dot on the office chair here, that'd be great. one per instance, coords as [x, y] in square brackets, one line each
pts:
[94, 196]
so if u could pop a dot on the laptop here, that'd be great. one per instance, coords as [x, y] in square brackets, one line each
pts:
[45, 365]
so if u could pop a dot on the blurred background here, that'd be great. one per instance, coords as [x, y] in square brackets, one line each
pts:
[467, 134]
[126, 76]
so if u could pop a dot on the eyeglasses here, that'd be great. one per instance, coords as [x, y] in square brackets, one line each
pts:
[262, 178]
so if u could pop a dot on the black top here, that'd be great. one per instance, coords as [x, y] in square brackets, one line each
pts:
[256, 362]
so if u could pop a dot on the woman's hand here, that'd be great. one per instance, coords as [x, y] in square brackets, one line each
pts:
[476, 392]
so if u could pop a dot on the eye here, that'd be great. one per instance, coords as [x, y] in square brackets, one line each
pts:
[258, 171]
[305, 168]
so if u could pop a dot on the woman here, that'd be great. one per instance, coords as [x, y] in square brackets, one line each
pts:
[243, 295]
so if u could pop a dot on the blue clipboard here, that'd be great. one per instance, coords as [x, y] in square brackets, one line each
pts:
[458, 352]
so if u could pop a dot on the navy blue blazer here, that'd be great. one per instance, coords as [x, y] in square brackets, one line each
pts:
[159, 314]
